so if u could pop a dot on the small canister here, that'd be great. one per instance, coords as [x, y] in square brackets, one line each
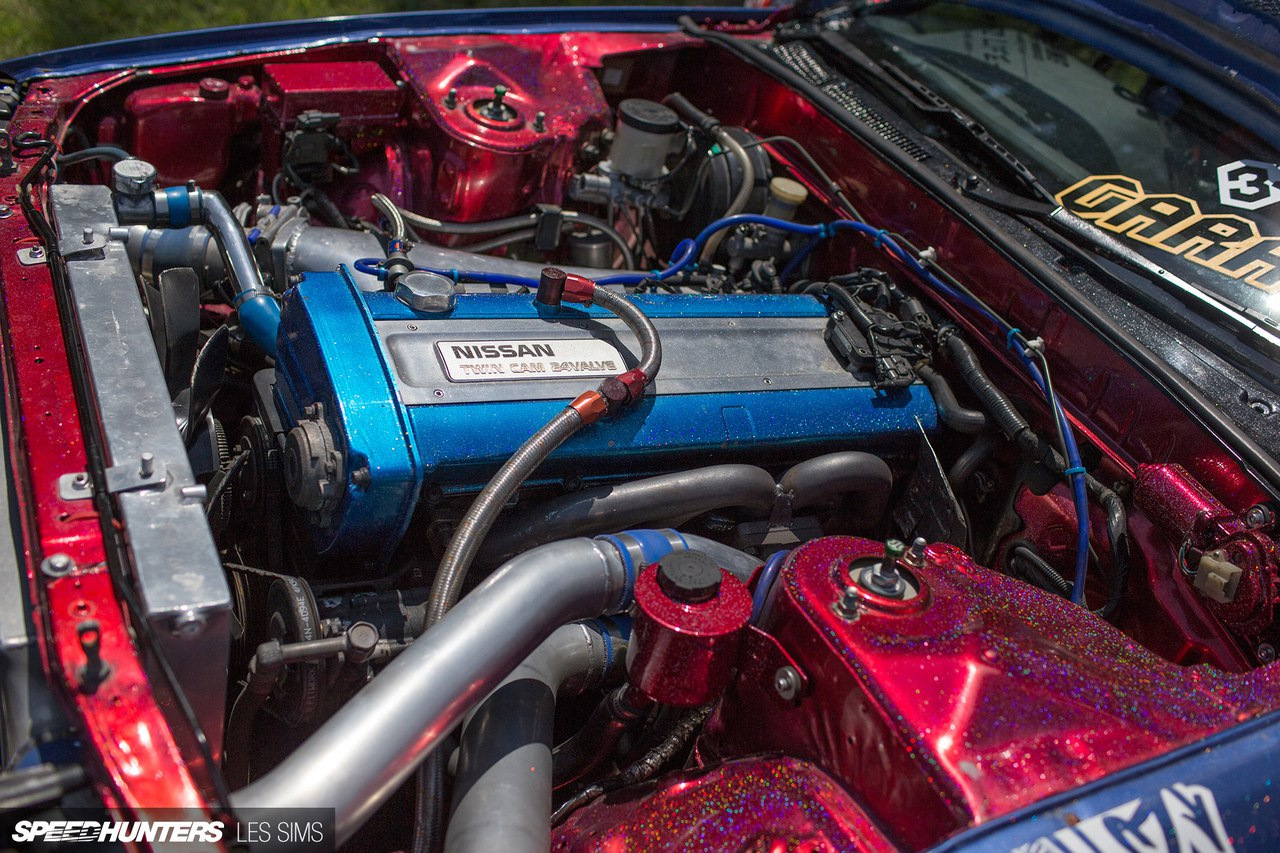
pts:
[691, 615]
[647, 133]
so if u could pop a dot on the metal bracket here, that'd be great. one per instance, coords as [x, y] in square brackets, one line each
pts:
[32, 257]
[75, 487]
[72, 245]
[764, 657]
[132, 476]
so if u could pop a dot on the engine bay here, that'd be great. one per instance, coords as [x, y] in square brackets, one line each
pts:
[608, 363]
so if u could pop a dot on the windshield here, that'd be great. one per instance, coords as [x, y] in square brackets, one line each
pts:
[1184, 185]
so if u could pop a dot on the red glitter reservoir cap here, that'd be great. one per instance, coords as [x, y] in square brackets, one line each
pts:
[690, 618]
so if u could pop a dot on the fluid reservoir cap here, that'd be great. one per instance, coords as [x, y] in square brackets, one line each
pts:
[788, 191]
[689, 577]
[428, 292]
[649, 116]
[214, 89]
[133, 177]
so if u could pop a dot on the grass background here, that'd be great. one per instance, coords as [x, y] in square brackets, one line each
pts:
[29, 26]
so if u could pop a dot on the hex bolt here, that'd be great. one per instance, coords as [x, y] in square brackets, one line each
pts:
[188, 624]
[847, 605]
[5, 211]
[1266, 652]
[786, 681]
[540, 121]
[37, 251]
[451, 99]
[915, 554]
[1259, 516]
[57, 565]
[147, 467]
[87, 236]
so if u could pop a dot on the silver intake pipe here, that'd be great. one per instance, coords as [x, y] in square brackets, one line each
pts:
[297, 247]
[669, 498]
[316, 248]
[366, 750]
[502, 794]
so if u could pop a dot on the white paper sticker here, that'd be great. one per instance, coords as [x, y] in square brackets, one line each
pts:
[482, 361]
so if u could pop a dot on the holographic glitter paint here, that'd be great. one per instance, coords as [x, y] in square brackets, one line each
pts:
[765, 804]
[989, 697]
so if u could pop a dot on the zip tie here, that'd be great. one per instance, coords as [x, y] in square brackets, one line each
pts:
[1071, 472]
[1008, 338]
[453, 274]
[881, 235]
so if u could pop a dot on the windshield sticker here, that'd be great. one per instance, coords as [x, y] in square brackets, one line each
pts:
[1223, 242]
[1248, 184]
[1180, 819]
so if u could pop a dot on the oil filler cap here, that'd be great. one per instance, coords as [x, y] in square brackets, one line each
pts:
[427, 292]
[689, 577]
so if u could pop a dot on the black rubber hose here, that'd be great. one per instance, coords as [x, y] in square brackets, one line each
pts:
[1041, 573]
[950, 412]
[502, 240]
[845, 301]
[97, 152]
[329, 208]
[264, 669]
[493, 226]
[1008, 418]
[825, 478]
[966, 463]
[1117, 537]
[479, 518]
[1015, 426]
[592, 745]
[690, 113]
[617, 507]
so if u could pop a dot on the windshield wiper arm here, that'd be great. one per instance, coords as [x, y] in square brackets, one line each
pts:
[929, 102]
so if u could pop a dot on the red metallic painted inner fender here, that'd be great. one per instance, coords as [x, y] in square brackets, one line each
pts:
[754, 804]
[989, 698]
[139, 762]
[488, 169]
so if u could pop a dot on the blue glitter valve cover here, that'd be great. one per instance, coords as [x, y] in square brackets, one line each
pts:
[416, 401]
